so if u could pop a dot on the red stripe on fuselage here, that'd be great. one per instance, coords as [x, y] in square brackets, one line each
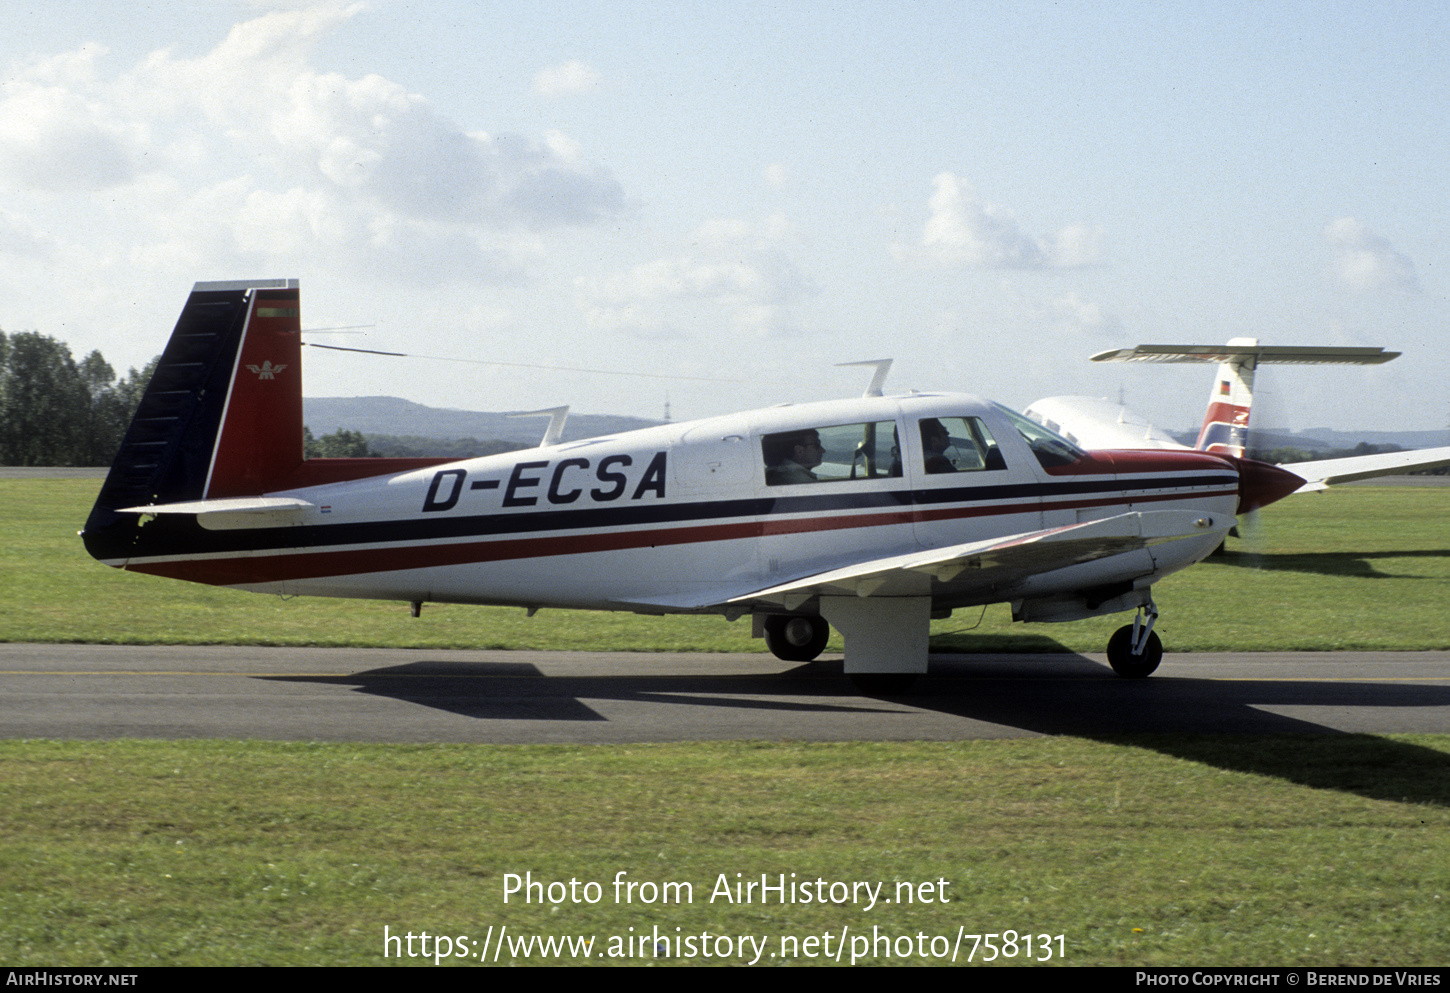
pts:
[346, 562]
[247, 569]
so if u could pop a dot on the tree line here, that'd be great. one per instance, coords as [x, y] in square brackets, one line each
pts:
[57, 411]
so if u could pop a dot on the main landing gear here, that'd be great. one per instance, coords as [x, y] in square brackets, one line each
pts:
[886, 638]
[796, 639]
[1134, 651]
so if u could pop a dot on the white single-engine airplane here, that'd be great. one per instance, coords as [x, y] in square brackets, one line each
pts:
[874, 515]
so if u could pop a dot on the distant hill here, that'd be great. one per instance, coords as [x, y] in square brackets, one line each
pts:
[1348, 439]
[392, 416]
[1326, 439]
[404, 418]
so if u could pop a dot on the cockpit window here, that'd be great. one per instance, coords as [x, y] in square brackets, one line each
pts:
[1051, 448]
[831, 454]
[958, 444]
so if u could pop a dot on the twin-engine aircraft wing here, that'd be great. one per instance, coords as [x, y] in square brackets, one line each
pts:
[995, 562]
[1325, 473]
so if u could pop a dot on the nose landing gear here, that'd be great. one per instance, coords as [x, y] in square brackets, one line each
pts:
[1134, 651]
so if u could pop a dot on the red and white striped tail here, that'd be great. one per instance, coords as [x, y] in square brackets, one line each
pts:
[1225, 428]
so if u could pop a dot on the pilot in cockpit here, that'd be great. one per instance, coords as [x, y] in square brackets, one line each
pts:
[935, 439]
[798, 454]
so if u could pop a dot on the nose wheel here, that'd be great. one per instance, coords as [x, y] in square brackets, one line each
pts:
[1134, 650]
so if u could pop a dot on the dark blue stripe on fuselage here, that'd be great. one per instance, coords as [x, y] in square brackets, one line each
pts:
[173, 535]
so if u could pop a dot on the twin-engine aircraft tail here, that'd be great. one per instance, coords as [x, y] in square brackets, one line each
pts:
[1230, 401]
[1225, 429]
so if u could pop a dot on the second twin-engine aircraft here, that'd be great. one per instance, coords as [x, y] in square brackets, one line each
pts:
[1099, 423]
[873, 515]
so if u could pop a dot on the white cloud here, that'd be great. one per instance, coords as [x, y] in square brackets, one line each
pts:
[57, 132]
[1364, 261]
[20, 238]
[1071, 313]
[372, 137]
[250, 155]
[566, 79]
[963, 230]
[737, 277]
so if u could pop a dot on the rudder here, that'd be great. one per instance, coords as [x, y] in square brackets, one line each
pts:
[222, 415]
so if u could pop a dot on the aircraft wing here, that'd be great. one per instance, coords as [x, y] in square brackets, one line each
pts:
[1327, 472]
[994, 562]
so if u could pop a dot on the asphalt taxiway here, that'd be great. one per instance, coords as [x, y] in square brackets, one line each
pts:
[393, 695]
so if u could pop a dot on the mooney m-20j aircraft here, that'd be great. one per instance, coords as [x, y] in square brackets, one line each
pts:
[873, 514]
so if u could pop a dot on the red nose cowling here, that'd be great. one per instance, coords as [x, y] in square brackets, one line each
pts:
[1261, 484]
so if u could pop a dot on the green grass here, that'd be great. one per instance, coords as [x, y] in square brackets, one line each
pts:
[1356, 568]
[1201, 850]
[213, 853]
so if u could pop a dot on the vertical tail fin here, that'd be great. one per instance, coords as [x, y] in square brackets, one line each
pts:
[222, 415]
[1225, 427]
[260, 440]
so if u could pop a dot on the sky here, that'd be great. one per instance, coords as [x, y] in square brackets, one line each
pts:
[630, 206]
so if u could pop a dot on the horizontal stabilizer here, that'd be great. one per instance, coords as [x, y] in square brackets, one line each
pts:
[1260, 354]
[230, 505]
[231, 513]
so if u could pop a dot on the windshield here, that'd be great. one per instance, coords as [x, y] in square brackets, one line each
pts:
[1051, 448]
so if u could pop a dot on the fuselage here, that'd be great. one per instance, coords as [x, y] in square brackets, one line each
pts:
[683, 517]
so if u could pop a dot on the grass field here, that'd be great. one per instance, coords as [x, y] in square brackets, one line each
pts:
[1199, 850]
[215, 852]
[1351, 568]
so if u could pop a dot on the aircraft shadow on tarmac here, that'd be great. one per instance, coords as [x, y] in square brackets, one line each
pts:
[519, 691]
[1220, 723]
[1351, 564]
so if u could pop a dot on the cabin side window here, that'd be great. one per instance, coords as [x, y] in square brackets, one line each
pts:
[836, 453]
[958, 444]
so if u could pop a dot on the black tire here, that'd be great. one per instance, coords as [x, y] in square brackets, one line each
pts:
[798, 638]
[1128, 665]
[883, 683]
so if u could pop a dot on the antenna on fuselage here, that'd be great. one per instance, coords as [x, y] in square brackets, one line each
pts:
[878, 379]
[557, 416]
